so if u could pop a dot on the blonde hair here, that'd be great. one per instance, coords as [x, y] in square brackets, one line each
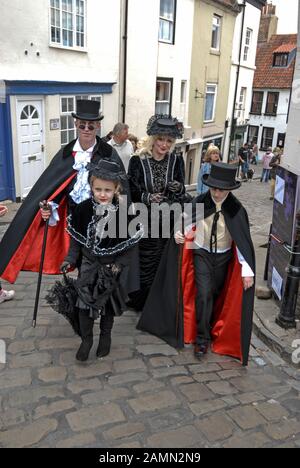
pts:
[211, 149]
[145, 145]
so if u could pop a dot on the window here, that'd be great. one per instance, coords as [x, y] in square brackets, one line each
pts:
[253, 134]
[267, 138]
[216, 32]
[210, 102]
[241, 104]
[167, 17]
[280, 60]
[67, 126]
[248, 41]
[257, 101]
[272, 103]
[163, 96]
[67, 19]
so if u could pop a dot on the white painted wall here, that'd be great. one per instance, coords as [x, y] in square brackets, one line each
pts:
[278, 122]
[291, 158]
[28, 22]
[149, 59]
[247, 69]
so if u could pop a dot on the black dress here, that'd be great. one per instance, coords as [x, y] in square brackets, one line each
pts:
[147, 176]
[104, 281]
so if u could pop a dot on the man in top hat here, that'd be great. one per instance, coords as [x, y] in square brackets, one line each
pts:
[214, 275]
[63, 185]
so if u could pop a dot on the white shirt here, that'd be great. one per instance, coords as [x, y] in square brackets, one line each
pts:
[202, 238]
[124, 150]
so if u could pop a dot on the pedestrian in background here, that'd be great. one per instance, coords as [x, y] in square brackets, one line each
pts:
[244, 158]
[266, 165]
[121, 144]
[274, 163]
[134, 141]
[212, 155]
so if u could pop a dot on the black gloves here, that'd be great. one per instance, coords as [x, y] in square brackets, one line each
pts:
[174, 186]
[65, 266]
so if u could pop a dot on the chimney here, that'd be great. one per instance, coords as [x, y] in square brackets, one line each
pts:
[268, 23]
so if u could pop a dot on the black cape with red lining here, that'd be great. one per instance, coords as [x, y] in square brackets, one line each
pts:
[20, 248]
[169, 312]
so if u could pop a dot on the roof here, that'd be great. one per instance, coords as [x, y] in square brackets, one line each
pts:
[267, 76]
[285, 49]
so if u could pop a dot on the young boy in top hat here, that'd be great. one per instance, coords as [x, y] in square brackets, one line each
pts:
[214, 273]
[64, 182]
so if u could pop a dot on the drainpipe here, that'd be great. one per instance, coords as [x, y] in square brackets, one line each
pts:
[125, 51]
[232, 129]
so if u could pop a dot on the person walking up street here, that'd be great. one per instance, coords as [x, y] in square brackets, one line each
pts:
[244, 157]
[274, 163]
[267, 157]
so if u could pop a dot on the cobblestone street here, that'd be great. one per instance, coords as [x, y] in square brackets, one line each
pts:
[145, 393]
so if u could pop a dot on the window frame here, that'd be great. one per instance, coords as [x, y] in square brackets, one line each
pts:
[257, 112]
[262, 146]
[218, 34]
[164, 80]
[275, 104]
[242, 103]
[75, 97]
[247, 45]
[59, 44]
[215, 102]
[173, 22]
[280, 55]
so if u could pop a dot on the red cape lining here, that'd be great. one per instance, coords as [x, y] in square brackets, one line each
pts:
[28, 254]
[226, 330]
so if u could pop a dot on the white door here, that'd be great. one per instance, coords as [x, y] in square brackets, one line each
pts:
[31, 142]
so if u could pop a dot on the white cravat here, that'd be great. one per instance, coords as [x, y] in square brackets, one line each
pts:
[81, 190]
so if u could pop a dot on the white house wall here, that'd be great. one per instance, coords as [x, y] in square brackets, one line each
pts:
[28, 22]
[149, 59]
[247, 69]
[175, 61]
[278, 122]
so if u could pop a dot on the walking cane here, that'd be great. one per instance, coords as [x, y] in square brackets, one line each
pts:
[44, 205]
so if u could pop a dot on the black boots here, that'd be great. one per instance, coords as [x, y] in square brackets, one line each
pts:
[86, 328]
[106, 324]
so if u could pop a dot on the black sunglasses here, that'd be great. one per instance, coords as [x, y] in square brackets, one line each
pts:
[88, 125]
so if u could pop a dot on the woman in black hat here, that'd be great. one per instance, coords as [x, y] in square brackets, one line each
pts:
[207, 275]
[156, 175]
[101, 288]
[64, 183]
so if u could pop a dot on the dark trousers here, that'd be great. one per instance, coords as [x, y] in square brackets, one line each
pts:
[210, 275]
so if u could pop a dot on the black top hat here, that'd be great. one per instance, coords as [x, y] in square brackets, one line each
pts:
[107, 170]
[222, 176]
[87, 110]
[160, 124]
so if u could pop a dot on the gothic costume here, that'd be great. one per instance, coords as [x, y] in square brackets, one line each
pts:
[148, 176]
[102, 285]
[21, 245]
[174, 310]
